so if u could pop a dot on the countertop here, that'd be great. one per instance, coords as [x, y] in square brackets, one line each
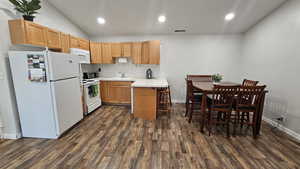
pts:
[138, 82]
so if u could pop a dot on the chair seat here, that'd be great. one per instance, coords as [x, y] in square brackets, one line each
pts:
[220, 106]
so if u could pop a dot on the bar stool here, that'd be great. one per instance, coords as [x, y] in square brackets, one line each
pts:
[164, 102]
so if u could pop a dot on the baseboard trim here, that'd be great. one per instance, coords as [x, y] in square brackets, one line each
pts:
[282, 128]
[11, 135]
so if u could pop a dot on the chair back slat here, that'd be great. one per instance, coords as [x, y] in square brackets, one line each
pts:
[200, 78]
[247, 82]
[250, 95]
[223, 96]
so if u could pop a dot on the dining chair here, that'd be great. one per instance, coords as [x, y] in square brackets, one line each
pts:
[221, 107]
[248, 102]
[164, 100]
[200, 78]
[195, 78]
[193, 101]
[247, 82]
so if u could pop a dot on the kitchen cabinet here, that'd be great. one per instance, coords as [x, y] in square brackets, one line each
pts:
[116, 49]
[74, 42]
[65, 42]
[116, 92]
[147, 52]
[136, 52]
[106, 53]
[96, 52]
[126, 49]
[144, 103]
[79, 43]
[53, 39]
[121, 49]
[150, 52]
[84, 44]
[27, 33]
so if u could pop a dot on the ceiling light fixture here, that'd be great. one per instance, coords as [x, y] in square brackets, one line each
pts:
[101, 20]
[162, 19]
[229, 16]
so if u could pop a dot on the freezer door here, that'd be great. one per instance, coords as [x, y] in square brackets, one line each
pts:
[67, 103]
[62, 66]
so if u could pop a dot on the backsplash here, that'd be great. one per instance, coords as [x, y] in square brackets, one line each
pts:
[130, 70]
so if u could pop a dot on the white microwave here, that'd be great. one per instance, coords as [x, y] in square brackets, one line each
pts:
[84, 55]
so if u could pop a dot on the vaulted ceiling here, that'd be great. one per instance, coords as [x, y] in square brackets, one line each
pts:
[132, 17]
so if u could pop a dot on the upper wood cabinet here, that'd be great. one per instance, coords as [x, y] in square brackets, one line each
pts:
[79, 43]
[84, 44]
[136, 53]
[29, 33]
[101, 53]
[121, 49]
[116, 49]
[147, 52]
[65, 42]
[96, 52]
[53, 39]
[107, 53]
[151, 52]
[154, 52]
[126, 49]
[25, 32]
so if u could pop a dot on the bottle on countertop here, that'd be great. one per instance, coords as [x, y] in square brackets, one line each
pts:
[149, 74]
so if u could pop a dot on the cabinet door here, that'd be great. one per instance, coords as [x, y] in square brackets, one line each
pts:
[145, 53]
[136, 52]
[144, 103]
[53, 39]
[126, 49]
[154, 52]
[116, 49]
[121, 92]
[35, 34]
[65, 42]
[104, 91]
[74, 42]
[106, 53]
[96, 54]
[84, 44]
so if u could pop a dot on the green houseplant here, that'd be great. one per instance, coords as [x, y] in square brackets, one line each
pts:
[27, 8]
[217, 77]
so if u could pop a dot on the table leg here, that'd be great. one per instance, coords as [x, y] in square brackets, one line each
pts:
[203, 109]
[260, 113]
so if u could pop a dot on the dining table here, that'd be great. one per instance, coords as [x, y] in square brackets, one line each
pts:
[206, 88]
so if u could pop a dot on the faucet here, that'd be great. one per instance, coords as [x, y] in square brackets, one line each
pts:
[122, 74]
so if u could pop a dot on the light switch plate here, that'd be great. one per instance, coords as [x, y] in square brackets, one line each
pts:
[1, 76]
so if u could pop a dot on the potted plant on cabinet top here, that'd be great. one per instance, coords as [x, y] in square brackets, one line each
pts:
[217, 78]
[27, 8]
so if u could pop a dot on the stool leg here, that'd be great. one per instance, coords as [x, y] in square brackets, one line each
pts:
[169, 91]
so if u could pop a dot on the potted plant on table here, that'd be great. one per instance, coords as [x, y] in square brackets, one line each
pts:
[217, 78]
[27, 8]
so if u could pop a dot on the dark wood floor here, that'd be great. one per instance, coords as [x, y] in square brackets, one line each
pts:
[111, 138]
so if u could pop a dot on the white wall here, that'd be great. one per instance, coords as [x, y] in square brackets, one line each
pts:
[271, 54]
[186, 54]
[47, 16]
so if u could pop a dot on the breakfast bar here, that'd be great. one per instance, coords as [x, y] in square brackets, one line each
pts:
[144, 97]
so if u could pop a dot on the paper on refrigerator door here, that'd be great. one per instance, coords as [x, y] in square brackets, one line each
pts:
[36, 68]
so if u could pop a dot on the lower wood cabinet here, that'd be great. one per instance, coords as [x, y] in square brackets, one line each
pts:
[117, 92]
[144, 103]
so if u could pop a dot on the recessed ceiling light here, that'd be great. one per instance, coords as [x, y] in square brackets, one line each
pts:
[162, 19]
[229, 16]
[101, 20]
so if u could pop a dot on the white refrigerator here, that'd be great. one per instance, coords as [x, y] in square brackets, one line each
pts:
[47, 90]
